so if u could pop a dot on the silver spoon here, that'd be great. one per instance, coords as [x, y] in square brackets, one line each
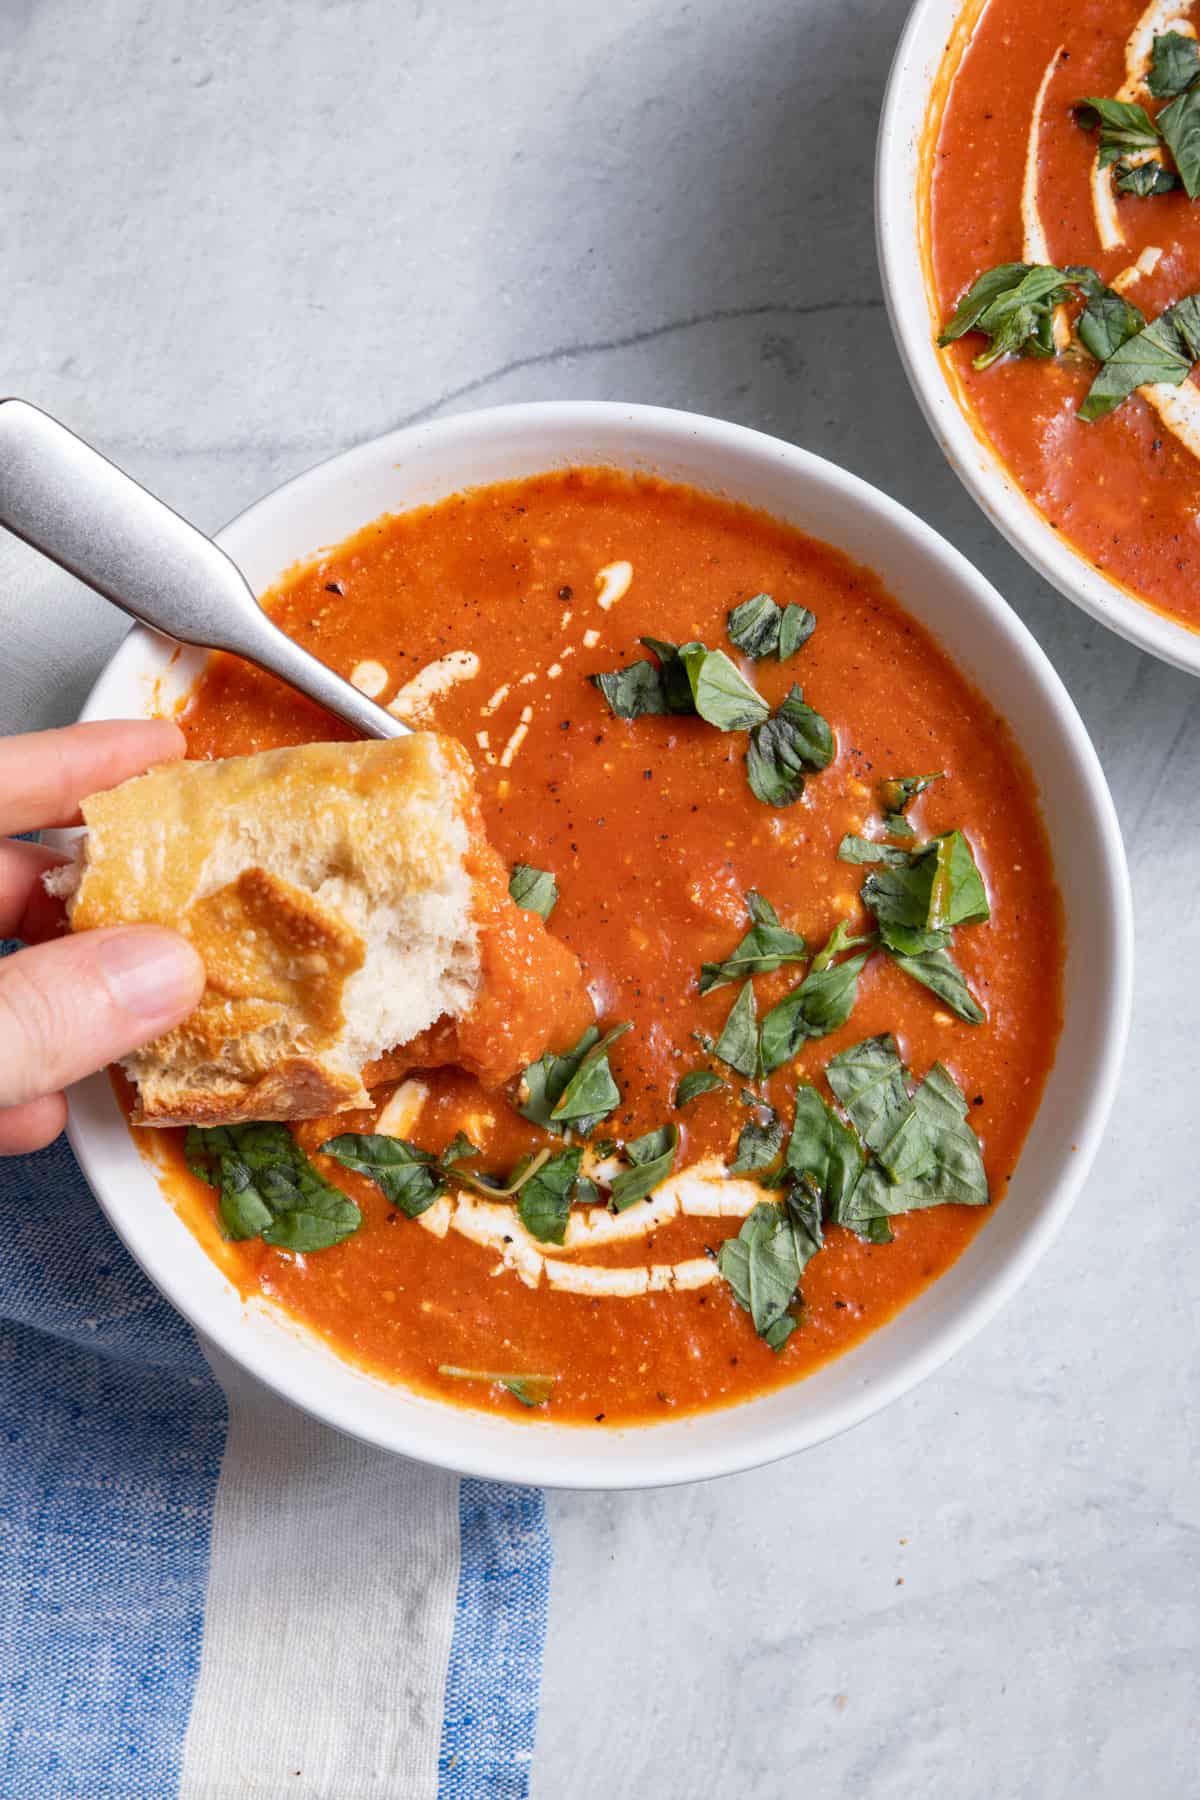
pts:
[85, 514]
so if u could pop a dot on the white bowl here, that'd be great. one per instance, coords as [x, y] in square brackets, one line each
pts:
[901, 152]
[985, 639]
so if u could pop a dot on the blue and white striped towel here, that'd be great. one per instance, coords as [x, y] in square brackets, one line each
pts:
[206, 1594]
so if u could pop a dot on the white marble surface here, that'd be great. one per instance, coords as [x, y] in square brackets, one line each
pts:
[242, 236]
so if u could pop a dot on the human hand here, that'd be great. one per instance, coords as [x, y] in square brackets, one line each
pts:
[75, 1002]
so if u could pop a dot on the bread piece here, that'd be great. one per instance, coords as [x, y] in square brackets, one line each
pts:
[328, 889]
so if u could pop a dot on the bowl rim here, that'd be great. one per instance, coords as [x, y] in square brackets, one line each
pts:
[649, 1457]
[908, 95]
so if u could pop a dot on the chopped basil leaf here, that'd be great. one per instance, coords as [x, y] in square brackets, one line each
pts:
[796, 741]
[896, 825]
[534, 889]
[795, 628]
[1106, 322]
[868, 1079]
[544, 1204]
[762, 1265]
[408, 1176]
[459, 1149]
[590, 1093]
[585, 1192]
[938, 971]
[268, 1188]
[1180, 125]
[738, 1042]
[927, 1152]
[979, 296]
[839, 940]
[695, 1083]
[823, 1151]
[1124, 126]
[1144, 180]
[957, 895]
[1163, 351]
[632, 691]
[821, 1003]
[653, 1158]
[867, 850]
[760, 909]
[1174, 64]
[545, 1082]
[754, 627]
[721, 692]
[758, 1146]
[760, 627]
[803, 1203]
[765, 947]
[919, 895]
[672, 669]
[530, 1390]
[897, 792]
[1019, 317]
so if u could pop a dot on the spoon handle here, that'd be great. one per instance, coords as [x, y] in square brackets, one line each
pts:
[85, 514]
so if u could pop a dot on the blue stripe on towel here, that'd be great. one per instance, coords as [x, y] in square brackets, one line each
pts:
[495, 1671]
[111, 1433]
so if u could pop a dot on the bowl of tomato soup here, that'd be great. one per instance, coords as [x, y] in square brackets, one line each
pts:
[838, 860]
[1052, 147]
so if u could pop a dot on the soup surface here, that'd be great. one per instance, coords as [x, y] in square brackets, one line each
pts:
[1014, 176]
[654, 838]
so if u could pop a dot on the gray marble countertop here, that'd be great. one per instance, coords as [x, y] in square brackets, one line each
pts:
[243, 236]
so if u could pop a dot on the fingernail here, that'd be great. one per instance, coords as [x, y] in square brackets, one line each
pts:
[151, 973]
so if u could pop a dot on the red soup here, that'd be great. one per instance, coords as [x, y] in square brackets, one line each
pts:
[1097, 424]
[861, 980]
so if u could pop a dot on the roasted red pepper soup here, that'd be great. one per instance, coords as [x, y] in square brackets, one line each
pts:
[1018, 172]
[654, 838]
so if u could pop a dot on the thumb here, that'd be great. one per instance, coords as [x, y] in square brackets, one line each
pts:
[70, 1007]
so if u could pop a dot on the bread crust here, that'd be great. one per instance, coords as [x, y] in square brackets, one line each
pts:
[280, 868]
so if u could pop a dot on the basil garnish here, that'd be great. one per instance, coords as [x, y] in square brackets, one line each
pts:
[534, 889]
[796, 741]
[544, 1202]
[1180, 125]
[632, 691]
[653, 1158]
[722, 695]
[1124, 127]
[459, 1149]
[762, 1265]
[938, 971]
[544, 1083]
[758, 1145]
[1144, 180]
[695, 1083]
[897, 792]
[1012, 304]
[1163, 351]
[530, 1390]
[1106, 322]
[823, 1001]
[1174, 64]
[822, 1152]
[268, 1188]
[590, 1093]
[869, 850]
[408, 1177]
[919, 895]
[673, 674]
[927, 1153]
[738, 1042]
[760, 627]
[765, 947]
